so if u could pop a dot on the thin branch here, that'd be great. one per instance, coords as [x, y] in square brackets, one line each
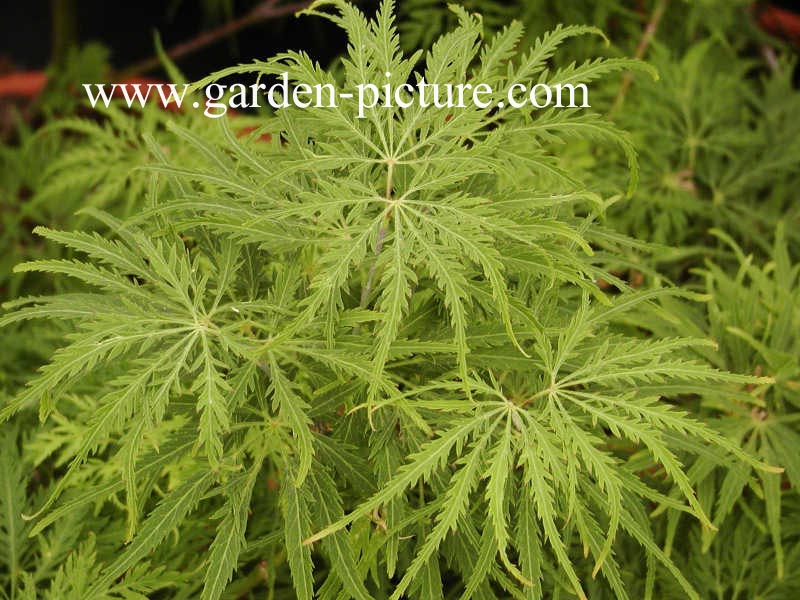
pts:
[265, 11]
[644, 43]
[64, 29]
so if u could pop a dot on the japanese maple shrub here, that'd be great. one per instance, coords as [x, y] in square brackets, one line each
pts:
[369, 358]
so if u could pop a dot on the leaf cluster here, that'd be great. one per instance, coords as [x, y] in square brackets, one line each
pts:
[416, 354]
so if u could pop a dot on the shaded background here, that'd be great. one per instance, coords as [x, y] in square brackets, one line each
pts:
[34, 33]
[31, 33]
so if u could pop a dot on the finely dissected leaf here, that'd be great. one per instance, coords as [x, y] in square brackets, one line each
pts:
[168, 515]
[212, 404]
[456, 502]
[496, 495]
[293, 408]
[338, 545]
[295, 515]
[13, 529]
[419, 466]
[230, 539]
[528, 542]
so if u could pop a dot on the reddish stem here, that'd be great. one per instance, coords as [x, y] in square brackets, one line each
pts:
[22, 84]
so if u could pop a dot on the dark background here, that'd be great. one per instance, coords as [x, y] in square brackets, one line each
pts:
[28, 30]
[126, 28]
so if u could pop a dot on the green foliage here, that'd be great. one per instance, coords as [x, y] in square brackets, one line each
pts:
[416, 354]
[732, 145]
